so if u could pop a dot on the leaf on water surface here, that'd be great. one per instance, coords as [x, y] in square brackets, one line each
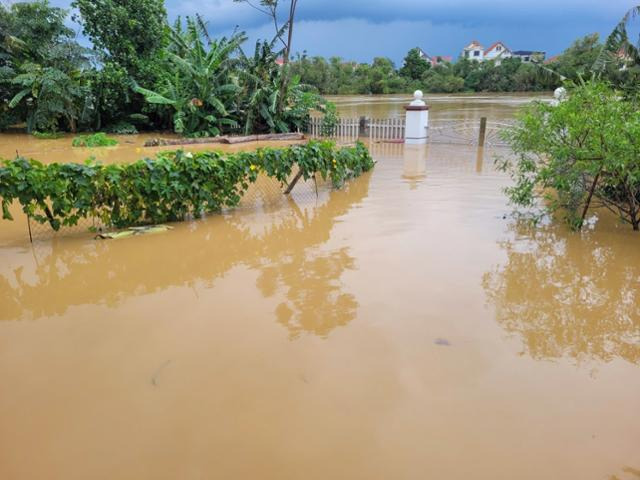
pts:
[133, 231]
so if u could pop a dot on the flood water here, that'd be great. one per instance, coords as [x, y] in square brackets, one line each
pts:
[401, 328]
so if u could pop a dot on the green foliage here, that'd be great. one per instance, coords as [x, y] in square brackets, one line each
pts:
[28, 30]
[414, 66]
[581, 154]
[47, 135]
[50, 97]
[330, 120]
[201, 89]
[336, 76]
[169, 188]
[129, 32]
[42, 69]
[577, 61]
[96, 140]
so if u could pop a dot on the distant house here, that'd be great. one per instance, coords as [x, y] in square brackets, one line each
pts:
[551, 60]
[424, 55]
[434, 59]
[497, 52]
[474, 51]
[438, 59]
[530, 56]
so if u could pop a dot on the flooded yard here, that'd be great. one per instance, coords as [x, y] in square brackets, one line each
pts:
[403, 327]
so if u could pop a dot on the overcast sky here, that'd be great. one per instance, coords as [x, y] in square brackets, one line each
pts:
[363, 29]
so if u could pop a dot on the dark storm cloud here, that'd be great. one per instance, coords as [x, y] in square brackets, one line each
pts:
[363, 29]
[463, 12]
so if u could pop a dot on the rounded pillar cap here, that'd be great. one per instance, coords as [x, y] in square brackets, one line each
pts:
[417, 99]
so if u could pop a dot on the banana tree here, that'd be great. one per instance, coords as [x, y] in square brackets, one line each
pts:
[201, 88]
[619, 47]
[50, 96]
[266, 105]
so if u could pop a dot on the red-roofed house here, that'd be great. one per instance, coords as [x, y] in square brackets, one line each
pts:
[497, 52]
[438, 59]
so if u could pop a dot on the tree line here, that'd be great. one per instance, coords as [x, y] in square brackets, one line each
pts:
[143, 73]
[335, 76]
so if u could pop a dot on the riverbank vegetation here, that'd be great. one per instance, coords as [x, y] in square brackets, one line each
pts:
[583, 152]
[337, 76]
[171, 187]
[142, 73]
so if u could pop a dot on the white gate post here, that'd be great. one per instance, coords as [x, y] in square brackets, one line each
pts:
[417, 121]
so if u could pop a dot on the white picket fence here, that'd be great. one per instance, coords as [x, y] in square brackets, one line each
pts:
[387, 128]
[379, 129]
[346, 128]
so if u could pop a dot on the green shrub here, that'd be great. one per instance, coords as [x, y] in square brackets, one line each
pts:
[122, 128]
[95, 140]
[168, 188]
[48, 135]
[580, 155]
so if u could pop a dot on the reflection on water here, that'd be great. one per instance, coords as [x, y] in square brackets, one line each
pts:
[288, 253]
[569, 295]
[174, 352]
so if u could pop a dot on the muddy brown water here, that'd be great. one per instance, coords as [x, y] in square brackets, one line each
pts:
[399, 328]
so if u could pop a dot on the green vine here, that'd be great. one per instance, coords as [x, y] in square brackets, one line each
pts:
[168, 188]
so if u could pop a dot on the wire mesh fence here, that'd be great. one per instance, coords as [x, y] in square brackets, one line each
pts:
[467, 133]
[265, 193]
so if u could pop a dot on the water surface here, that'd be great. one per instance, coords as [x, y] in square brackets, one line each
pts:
[403, 327]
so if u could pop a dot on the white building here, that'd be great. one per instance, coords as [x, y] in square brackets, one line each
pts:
[474, 51]
[497, 52]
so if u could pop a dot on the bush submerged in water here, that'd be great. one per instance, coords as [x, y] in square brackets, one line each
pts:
[168, 188]
[95, 140]
[581, 154]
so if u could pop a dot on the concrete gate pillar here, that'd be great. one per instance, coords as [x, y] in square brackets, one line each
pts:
[417, 121]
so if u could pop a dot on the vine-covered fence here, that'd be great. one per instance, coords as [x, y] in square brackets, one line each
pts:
[172, 187]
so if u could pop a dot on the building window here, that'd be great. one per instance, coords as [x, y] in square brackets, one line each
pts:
[526, 59]
[499, 48]
[476, 53]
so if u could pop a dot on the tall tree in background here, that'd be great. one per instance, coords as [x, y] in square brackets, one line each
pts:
[284, 31]
[130, 37]
[128, 32]
[42, 69]
[414, 66]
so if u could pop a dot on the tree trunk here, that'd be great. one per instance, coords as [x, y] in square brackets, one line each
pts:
[589, 198]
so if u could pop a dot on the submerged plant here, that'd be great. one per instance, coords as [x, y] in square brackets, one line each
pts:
[167, 188]
[96, 140]
[48, 135]
[581, 154]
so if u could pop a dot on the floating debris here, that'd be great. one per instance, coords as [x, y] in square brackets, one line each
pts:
[443, 342]
[130, 232]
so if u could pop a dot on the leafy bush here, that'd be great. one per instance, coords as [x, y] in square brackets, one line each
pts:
[96, 140]
[580, 154]
[172, 186]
